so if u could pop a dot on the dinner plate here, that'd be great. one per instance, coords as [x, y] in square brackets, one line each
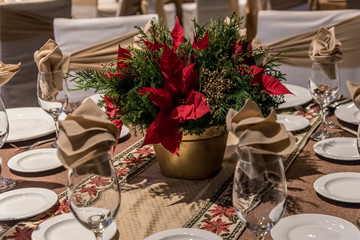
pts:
[66, 227]
[184, 234]
[25, 202]
[37, 160]
[341, 186]
[301, 96]
[348, 113]
[28, 123]
[340, 148]
[314, 227]
[292, 122]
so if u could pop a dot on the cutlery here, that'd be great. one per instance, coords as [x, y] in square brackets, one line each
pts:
[29, 147]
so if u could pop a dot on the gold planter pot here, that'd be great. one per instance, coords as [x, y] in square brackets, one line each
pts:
[200, 156]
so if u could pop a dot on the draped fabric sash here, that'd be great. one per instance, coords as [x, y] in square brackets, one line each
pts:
[346, 31]
[95, 56]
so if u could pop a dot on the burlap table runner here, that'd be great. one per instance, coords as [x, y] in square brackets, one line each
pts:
[152, 202]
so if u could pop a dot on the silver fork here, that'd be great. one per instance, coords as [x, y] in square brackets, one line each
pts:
[31, 146]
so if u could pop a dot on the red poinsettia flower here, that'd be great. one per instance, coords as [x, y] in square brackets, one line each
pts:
[177, 34]
[156, 46]
[203, 43]
[270, 84]
[123, 54]
[178, 101]
[114, 113]
[242, 47]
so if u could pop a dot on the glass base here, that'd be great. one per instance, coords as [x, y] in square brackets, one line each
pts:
[320, 135]
[6, 184]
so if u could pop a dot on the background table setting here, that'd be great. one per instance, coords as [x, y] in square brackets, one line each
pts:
[287, 175]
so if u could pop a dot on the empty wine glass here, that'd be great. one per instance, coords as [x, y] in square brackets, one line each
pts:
[5, 184]
[324, 84]
[259, 191]
[52, 93]
[94, 194]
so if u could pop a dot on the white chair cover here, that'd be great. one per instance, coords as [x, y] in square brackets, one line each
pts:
[280, 26]
[75, 35]
[25, 27]
[84, 8]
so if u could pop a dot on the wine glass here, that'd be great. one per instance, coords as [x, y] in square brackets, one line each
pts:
[52, 93]
[259, 191]
[324, 84]
[94, 194]
[5, 184]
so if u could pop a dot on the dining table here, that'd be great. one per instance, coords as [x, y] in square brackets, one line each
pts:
[151, 202]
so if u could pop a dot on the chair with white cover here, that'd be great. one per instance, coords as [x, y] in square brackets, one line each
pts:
[89, 43]
[281, 30]
[25, 26]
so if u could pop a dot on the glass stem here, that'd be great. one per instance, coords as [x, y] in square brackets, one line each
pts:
[322, 126]
[98, 235]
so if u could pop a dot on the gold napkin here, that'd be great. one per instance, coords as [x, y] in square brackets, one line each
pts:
[85, 134]
[258, 139]
[354, 90]
[7, 71]
[324, 48]
[49, 60]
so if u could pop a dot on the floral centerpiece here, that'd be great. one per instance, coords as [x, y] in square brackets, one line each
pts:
[172, 86]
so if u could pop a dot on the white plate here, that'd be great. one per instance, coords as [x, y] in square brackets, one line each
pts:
[301, 96]
[96, 98]
[66, 227]
[184, 234]
[292, 122]
[25, 202]
[28, 123]
[37, 160]
[341, 148]
[342, 186]
[314, 227]
[348, 113]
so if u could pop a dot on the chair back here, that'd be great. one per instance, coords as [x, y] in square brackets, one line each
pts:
[24, 27]
[281, 30]
[89, 43]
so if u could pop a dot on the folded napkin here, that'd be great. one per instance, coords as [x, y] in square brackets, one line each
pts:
[85, 134]
[49, 60]
[324, 48]
[257, 138]
[7, 71]
[354, 90]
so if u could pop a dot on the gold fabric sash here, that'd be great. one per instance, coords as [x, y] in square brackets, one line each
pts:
[95, 56]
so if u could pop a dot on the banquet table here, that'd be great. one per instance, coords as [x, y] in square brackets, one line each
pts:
[152, 202]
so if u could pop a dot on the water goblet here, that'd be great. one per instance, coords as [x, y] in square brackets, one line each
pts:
[52, 93]
[5, 184]
[259, 192]
[94, 194]
[324, 86]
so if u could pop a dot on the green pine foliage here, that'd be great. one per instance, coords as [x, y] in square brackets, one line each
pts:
[223, 76]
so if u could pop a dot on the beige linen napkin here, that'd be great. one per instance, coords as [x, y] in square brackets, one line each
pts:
[257, 138]
[354, 90]
[85, 134]
[7, 71]
[324, 48]
[49, 60]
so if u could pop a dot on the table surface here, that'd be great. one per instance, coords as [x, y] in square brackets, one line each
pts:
[301, 175]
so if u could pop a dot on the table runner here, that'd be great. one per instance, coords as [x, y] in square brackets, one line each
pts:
[135, 166]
